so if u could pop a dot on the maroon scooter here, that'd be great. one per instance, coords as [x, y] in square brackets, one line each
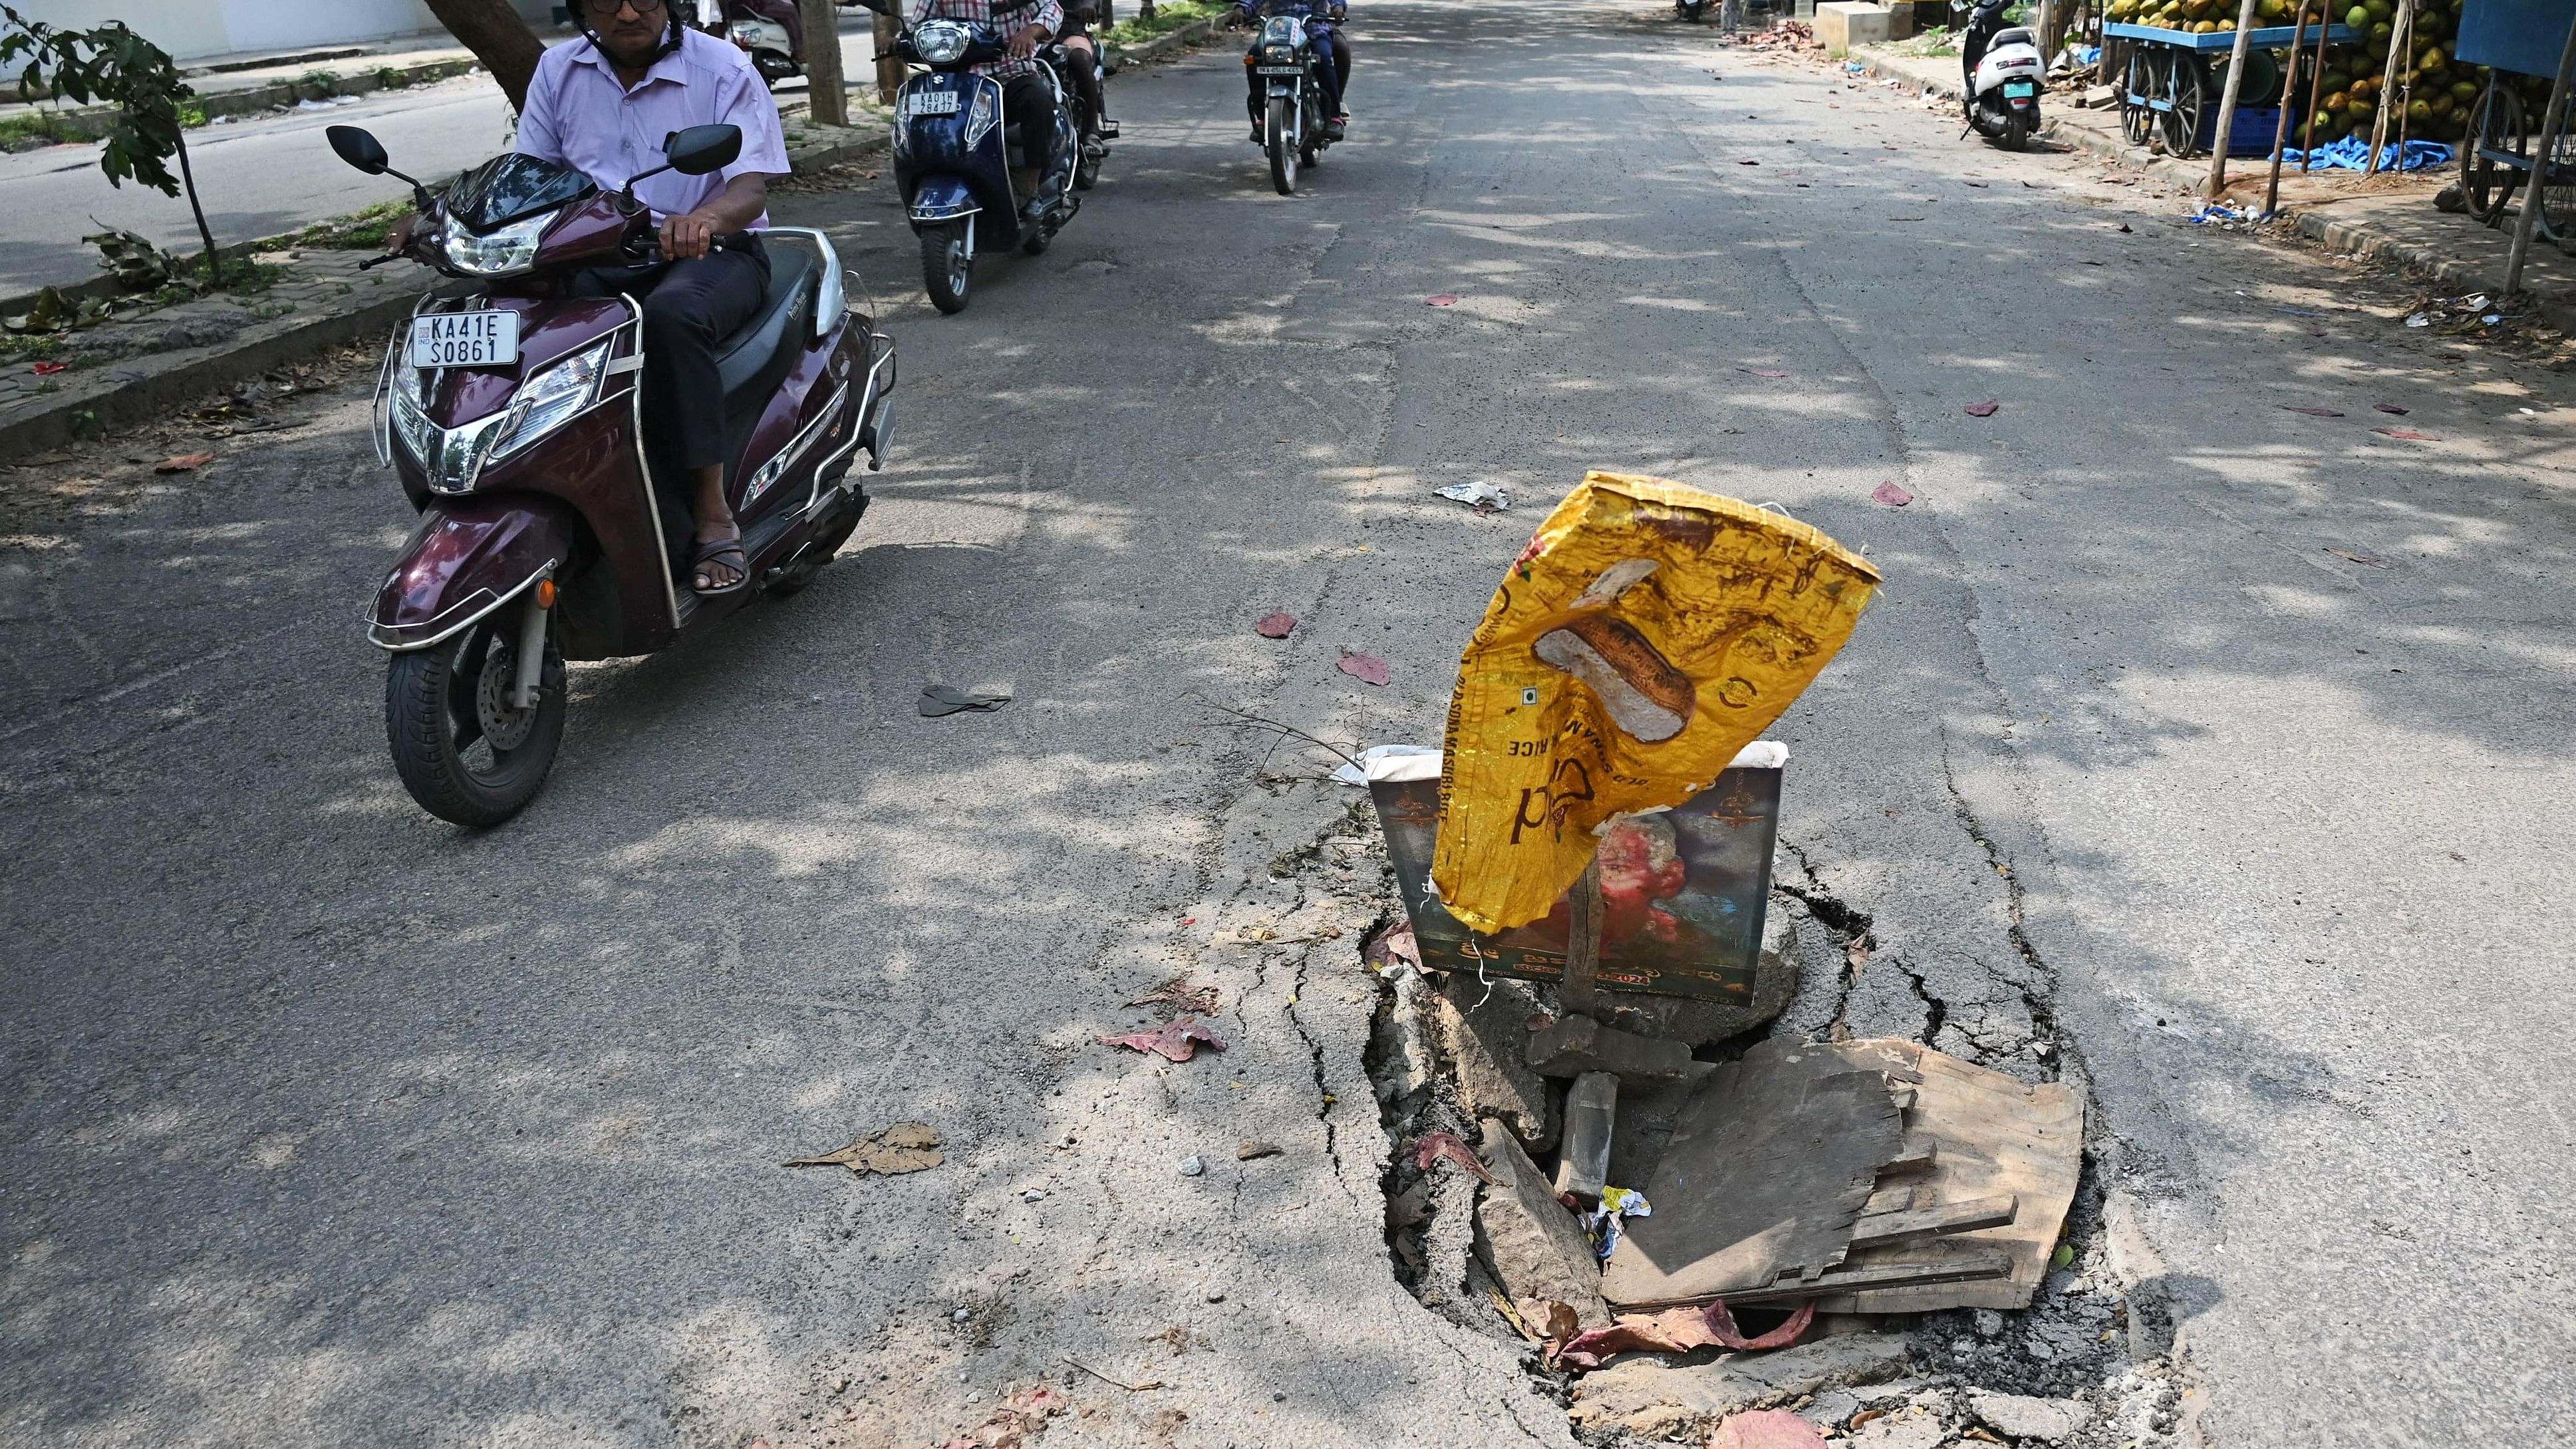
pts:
[514, 416]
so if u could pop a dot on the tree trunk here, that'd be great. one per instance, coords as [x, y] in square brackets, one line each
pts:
[827, 94]
[889, 69]
[205, 233]
[493, 30]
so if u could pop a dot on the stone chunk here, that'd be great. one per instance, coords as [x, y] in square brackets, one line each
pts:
[1591, 1120]
[1646, 1118]
[1483, 1030]
[1647, 1391]
[1530, 1243]
[1842, 24]
[2019, 1416]
[1578, 1044]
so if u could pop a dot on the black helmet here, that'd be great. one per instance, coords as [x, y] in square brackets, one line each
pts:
[683, 16]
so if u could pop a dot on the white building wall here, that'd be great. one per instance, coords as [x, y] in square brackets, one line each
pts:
[196, 29]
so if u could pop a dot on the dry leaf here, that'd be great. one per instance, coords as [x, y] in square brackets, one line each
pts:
[1984, 409]
[1766, 1429]
[1433, 1146]
[1177, 1040]
[1392, 947]
[2359, 558]
[1679, 1330]
[2391, 409]
[2409, 434]
[901, 1148]
[2311, 412]
[1892, 494]
[1275, 625]
[1443, 300]
[1366, 668]
[183, 462]
[1253, 1148]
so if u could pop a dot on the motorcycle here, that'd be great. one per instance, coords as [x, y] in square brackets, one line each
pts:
[514, 419]
[1284, 59]
[959, 169]
[2001, 68]
[771, 32]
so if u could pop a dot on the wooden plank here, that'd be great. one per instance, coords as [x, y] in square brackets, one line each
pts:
[1896, 1198]
[1939, 1220]
[1995, 1136]
[1852, 1281]
[1767, 1170]
[1917, 1154]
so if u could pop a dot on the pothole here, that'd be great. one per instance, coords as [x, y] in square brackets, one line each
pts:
[2091, 1363]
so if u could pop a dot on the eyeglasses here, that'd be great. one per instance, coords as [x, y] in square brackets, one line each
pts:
[640, 9]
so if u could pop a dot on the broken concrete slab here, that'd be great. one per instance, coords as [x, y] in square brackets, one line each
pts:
[1640, 1392]
[1574, 1045]
[1527, 1239]
[1912, 1427]
[2019, 1416]
[1403, 1041]
[1647, 1115]
[1484, 1027]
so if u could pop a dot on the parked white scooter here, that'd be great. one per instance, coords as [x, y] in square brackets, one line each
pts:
[2002, 69]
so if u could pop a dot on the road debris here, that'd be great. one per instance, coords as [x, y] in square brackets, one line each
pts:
[1680, 1330]
[2311, 412]
[1178, 1039]
[1484, 496]
[2359, 558]
[1766, 1429]
[902, 1148]
[2391, 409]
[1444, 299]
[1193, 1165]
[183, 463]
[1146, 1387]
[1252, 1150]
[1392, 949]
[1984, 409]
[1275, 625]
[1356, 772]
[1531, 1244]
[941, 699]
[2028, 1419]
[1177, 997]
[1633, 597]
[2408, 434]
[1583, 1158]
[1022, 1417]
[1891, 493]
[1766, 372]
[1603, 1224]
[1366, 668]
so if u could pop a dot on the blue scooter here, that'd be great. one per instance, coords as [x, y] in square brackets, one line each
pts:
[963, 174]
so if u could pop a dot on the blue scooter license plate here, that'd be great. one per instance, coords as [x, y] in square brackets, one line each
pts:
[2020, 90]
[930, 103]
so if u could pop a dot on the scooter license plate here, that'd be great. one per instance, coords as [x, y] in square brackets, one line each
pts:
[465, 339]
[2020, 90]
[1279, 70]
[930, 103]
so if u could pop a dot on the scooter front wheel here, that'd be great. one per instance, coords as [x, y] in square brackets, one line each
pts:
[947, 268]
[462, 750]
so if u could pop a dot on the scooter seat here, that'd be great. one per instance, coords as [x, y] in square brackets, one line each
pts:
[759, 352]
[2015, 36]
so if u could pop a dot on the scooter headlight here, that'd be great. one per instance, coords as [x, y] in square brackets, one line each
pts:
[940, 42]
[549, 399]
[745, 35]
[500, 253]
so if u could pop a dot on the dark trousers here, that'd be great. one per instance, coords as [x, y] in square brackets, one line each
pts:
[1029, 103]
[693, 306]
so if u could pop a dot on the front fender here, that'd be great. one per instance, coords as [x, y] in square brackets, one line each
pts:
[468, 557]
[943, 197]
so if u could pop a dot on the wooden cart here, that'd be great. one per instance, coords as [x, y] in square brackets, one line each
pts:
[2166, 89]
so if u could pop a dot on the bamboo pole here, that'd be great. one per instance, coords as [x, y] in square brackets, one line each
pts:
[2401, 48]
[2227, 102]
[1580, 989]
[2290, 89]
[2530, 216]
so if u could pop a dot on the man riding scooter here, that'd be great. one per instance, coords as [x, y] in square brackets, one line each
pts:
[1324, 22]
[1097, 128]
[1027, 100]
[602, 105]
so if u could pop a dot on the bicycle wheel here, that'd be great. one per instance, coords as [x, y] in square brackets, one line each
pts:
[2553, 180]
[2487, 178]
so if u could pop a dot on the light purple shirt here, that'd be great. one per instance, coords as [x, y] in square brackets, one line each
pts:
[580, 115]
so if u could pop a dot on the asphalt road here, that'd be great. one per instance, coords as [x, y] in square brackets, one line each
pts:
[2213, 744]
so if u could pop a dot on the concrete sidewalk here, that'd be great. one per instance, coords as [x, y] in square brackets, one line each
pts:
[2388, 218]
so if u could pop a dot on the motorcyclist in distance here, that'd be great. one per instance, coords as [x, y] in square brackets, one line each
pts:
[1324, 22]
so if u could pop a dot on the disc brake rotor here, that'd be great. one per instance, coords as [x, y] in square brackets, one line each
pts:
[507, 728]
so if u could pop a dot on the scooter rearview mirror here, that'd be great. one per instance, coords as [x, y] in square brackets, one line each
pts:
[701, 149]
[360, 149]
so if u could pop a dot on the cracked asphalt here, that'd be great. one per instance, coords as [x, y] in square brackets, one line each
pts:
[2208, 749]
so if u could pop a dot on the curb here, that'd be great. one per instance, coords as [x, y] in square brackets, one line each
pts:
[93, 122]
[1121, 56]
[134, 392]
